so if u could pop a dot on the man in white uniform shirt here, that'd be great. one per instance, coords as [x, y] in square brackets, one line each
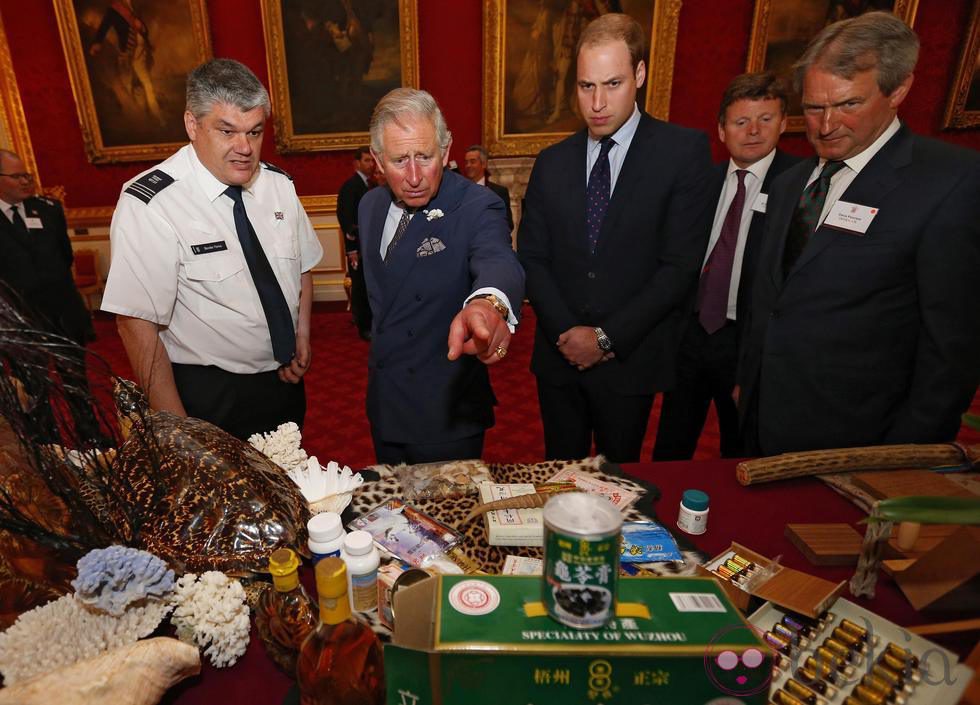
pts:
[211, 257]
[751, 118]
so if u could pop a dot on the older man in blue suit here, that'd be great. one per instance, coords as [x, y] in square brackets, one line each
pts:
[437, 261]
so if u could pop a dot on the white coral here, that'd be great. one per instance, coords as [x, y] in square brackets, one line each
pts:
[210, 612]
[281, 446]
[64, 631]
[317, 483]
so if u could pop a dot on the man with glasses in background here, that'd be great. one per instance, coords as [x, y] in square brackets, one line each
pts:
[36, 254]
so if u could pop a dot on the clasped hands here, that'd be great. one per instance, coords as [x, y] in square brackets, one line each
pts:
[579, 347]
[479, 330]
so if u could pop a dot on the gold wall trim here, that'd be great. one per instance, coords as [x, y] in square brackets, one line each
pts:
[12, 117]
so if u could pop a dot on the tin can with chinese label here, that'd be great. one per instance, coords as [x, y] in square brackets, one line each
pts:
[581, 559]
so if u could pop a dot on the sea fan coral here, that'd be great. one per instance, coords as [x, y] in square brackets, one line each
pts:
[110, 579]
[210, 612]
[64, 631]
[281, 446]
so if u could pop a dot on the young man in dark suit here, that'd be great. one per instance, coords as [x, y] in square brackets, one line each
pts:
[863, 329]
[437, 260]
[348, 198]
[751, 118]
[36, 254]
[616, 224]
[475, 168]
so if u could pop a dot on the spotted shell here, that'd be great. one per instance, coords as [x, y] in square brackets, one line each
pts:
[203, 500]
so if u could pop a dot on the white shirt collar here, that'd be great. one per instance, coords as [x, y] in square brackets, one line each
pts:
[757, 169]
[212, 187]
[5, 207]
[363, 177]
[624, 135]
[859, 161]
[482, 181]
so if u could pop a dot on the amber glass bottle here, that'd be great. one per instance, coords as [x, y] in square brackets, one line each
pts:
[285, 615]
[340, 663]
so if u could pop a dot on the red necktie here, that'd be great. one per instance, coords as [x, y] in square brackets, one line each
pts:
[716, 278]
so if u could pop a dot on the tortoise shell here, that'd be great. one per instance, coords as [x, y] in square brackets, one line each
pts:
[202, 499]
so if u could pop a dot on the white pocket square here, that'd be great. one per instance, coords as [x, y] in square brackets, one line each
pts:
[430, 246]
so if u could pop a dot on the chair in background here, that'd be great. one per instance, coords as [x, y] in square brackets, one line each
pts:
[86, 275]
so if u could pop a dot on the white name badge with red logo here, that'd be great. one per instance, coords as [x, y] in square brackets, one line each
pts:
[33, 223]
[852, 217]
[759, 206]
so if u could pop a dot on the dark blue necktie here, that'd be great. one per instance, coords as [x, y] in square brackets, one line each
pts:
[597, 193]
[274, 304]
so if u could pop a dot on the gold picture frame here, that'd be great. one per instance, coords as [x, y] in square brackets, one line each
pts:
[14, 134]
[514, 123]
[128, 71]
[963, 106]
[781, 30]
[325, 78]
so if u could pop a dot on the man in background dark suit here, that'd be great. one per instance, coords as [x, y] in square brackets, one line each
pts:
[475, 162]
[36, 254]
[347, 201]
[438, 261]
[616, 224]
[864, 325]
[751, 118]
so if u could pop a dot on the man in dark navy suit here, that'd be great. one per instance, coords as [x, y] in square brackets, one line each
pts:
[438, 262]
[475, 162]
[612, 237]
[751, 118]
[36, 254]
[864, 325]
[348, 199]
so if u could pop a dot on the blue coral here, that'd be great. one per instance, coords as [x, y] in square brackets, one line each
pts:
[110, 579]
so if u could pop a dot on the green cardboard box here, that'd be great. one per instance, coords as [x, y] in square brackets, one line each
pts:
[484, 640]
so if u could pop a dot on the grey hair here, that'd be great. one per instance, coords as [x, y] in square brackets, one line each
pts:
[484, 156]
[225, 81]
[872, 40]
[408, 101]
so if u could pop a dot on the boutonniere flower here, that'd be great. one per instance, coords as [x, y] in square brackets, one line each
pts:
[433, 214]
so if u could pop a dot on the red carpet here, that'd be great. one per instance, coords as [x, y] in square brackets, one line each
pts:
[336, 425]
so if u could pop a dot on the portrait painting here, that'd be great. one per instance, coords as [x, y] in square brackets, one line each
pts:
[782, 29]
[128, 62]
[330, 62]
[963, 107]
[529, 92]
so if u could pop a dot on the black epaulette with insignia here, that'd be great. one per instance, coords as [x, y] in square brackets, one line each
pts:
[47, 201]
[273, 167]
[149, 185]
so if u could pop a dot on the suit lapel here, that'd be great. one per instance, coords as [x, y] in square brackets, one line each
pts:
[869, 187]
[404, 257]
[572, 186]
[629, 175]
[782, 216]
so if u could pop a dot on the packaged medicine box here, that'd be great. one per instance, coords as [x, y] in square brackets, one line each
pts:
[798, 591]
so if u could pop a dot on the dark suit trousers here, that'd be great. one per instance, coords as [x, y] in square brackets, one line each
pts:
[575, 413]
[241, 404]
[705, 373]
[413, 453]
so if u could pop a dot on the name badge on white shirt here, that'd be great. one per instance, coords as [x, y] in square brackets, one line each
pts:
[760, 202]
[33, 223]
[852, 217]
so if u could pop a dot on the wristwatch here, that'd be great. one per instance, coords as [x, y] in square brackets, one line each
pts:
[495, 301]
[602, 340]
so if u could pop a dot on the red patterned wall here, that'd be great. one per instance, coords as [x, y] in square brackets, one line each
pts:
[711, 47]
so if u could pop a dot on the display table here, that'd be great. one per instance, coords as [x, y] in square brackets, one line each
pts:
[753, 516]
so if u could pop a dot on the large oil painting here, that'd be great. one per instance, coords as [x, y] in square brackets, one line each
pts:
[529, 66]
[781, 30]
[128, 61]
[330, 61]
[963, 108]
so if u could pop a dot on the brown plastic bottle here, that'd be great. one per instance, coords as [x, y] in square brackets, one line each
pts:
[340, 663]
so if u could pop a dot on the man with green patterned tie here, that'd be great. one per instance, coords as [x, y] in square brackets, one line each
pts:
[862, 330]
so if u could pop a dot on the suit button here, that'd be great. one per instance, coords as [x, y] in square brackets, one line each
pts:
[411, 370]
[410, 333]
[591, 275]
[774, 313]
[381, 365]
[418, 297]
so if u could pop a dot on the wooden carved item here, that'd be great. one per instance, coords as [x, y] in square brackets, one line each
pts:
[819, 462]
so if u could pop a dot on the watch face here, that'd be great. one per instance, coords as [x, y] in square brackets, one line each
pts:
[605, 344]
